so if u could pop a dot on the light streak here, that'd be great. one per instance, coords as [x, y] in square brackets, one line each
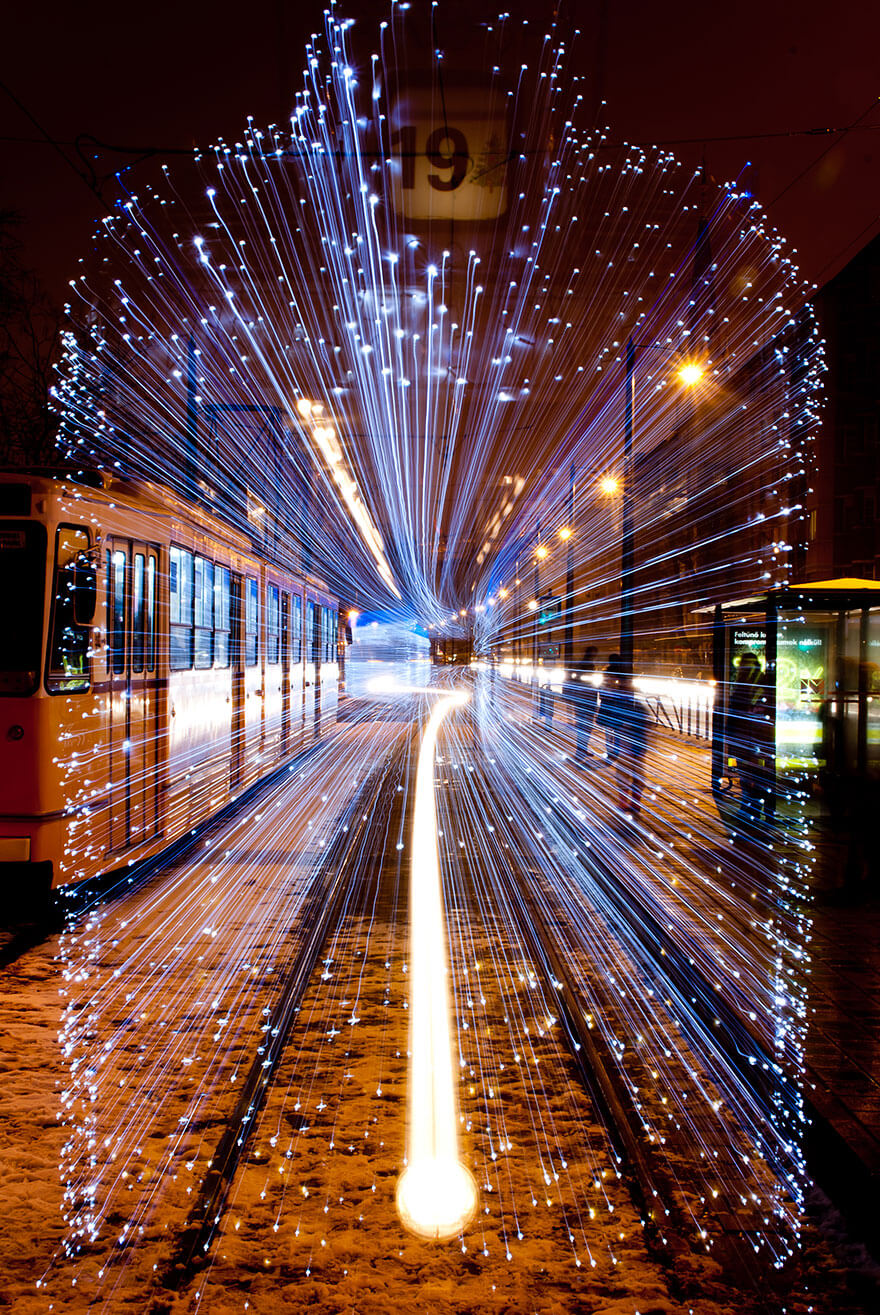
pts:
[436, 1193]
[325, 439]
[468, 411]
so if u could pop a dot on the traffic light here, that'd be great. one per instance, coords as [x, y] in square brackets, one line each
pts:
[549, 633]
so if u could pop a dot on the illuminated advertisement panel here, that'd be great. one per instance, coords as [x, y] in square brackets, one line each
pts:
[801, 675]
[802, 654]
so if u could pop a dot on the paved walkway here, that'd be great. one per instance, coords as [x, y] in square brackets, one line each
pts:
[843, 1044]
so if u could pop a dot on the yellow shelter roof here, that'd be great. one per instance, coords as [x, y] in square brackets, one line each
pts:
[847, 582]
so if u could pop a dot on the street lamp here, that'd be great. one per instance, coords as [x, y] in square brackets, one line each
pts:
[690, 373]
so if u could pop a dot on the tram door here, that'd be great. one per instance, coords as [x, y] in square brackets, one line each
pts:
[236, 664]
[330, 661]
[297, 690]
[312, 674]
[285, 673]
[132, 585]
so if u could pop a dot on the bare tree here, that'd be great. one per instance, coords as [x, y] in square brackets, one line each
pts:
[29, 337]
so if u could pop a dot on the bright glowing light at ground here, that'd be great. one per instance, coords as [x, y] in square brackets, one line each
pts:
[436, 1195]
[436, 1198]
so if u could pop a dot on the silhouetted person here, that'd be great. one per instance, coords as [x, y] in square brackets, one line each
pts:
[632, 738]
[744, 716]
[583, 695]
[611, 700]
[549, 656]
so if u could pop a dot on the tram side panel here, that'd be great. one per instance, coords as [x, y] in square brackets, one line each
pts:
[55, 704]
[122, 732]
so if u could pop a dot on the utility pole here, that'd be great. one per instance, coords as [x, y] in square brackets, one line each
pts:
[569, 576]
[627, 545]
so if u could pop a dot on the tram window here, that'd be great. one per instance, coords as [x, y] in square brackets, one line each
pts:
[296, 630]
[137, 614]
[310, 631]
[150, 614]
[204, 613]
[273, 625]
[22, 586]
[252, 624]
[119, 563]
[68, 665]
[180, 595]
[221, 616]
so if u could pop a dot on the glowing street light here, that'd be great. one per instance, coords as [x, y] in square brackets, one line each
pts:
[688, 374]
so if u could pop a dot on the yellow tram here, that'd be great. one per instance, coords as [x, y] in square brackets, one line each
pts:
[153, 665]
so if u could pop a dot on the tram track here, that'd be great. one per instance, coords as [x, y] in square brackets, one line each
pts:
[716, 1021]
[711, 1035]
[666, 1230]
[560, 1149]
[343, 864]
[311, 1159]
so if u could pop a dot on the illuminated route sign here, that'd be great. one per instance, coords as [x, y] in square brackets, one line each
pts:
[550, 610]
[449, 158]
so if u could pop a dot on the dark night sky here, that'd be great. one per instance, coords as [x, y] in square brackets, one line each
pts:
[171, 75]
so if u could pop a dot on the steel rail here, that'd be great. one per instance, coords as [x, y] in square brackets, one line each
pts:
[331, 885]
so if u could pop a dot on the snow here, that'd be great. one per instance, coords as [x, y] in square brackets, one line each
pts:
[121, 1037]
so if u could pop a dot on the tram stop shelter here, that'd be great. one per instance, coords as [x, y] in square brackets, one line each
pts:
[819, 649]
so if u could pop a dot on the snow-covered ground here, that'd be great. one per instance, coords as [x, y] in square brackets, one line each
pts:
[124, 1036]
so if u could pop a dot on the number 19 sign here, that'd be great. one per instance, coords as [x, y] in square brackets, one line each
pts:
[448, 168]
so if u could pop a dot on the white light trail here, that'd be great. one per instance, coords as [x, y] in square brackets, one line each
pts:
[283, 323]
[436, 1193]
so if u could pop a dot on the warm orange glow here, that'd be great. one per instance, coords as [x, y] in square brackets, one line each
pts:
[690, 374]
[502, 592]
[541, 552]
[565, 533]
[609, 484]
